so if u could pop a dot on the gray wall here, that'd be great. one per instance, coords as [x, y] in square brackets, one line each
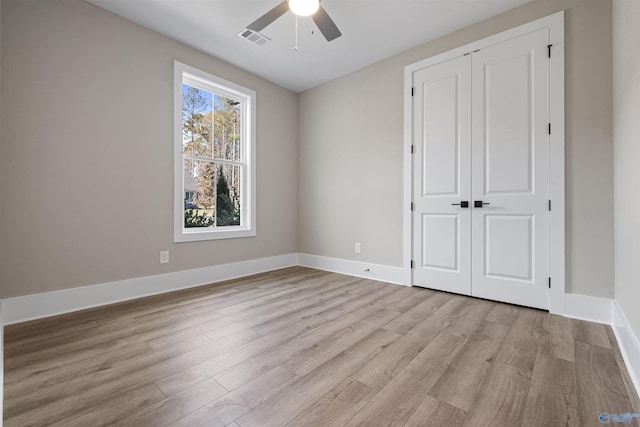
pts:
[351, 159]
[86, 171]
[626, 109]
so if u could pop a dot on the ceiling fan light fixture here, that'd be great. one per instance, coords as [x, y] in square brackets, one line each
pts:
[304, 7]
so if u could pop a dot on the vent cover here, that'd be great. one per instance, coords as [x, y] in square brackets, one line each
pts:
[254, 37]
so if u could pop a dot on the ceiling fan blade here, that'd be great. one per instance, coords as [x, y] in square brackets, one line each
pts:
[326, 25]
[269, 17]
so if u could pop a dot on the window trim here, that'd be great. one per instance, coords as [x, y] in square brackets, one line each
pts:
[204, 80]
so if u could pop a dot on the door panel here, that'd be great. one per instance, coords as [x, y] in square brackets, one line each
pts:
[442, 176]
[510, 233]
[439, 140]
[504, 232]
[507, 113]
[441, 242]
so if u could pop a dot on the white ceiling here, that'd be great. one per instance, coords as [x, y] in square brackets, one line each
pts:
[371, 31]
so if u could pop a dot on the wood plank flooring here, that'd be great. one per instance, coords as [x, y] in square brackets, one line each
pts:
[302, 347]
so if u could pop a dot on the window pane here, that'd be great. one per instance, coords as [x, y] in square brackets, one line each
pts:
[196, 121]
[227, 195]
[199, 188]
[226, 129]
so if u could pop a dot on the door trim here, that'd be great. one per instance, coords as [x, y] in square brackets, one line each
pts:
[555, 25]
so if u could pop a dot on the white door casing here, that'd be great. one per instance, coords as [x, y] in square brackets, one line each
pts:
[511, 233]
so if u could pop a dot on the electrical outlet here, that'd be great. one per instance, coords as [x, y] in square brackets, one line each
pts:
[164, 257]
[358, 248]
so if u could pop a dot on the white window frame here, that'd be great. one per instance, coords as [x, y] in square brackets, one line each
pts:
[183, 73]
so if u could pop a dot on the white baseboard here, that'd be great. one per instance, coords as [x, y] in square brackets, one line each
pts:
[30, 307]
[383, 273]
[604, 310]
[36, 306]
[584, 307]
[628, 343]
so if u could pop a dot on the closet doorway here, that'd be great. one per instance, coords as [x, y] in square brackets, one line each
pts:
[481, 197]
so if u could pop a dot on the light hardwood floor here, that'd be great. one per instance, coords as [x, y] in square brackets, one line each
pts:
[305, 347]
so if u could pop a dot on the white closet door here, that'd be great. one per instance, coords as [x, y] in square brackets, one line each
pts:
[510, 171]
[442, 176]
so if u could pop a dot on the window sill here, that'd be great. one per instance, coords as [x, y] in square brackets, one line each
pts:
[203, 235]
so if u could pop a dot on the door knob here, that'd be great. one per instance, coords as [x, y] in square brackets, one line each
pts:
[479, 203]
[462, 204]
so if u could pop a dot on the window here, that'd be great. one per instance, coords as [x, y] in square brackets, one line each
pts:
[214, 164]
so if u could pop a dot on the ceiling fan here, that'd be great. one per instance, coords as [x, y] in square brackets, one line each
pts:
[300, 8]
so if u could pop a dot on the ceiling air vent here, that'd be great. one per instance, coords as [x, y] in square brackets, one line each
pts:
[254, 37]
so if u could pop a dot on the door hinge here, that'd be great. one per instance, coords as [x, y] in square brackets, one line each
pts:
[411, 149]
[549, 282]
[411, 91]
[412, 206]
[411, 263]
[549, 205]
[549, 128]
[549, 50]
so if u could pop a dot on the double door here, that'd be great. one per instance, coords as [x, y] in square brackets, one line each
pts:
[481, 173]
